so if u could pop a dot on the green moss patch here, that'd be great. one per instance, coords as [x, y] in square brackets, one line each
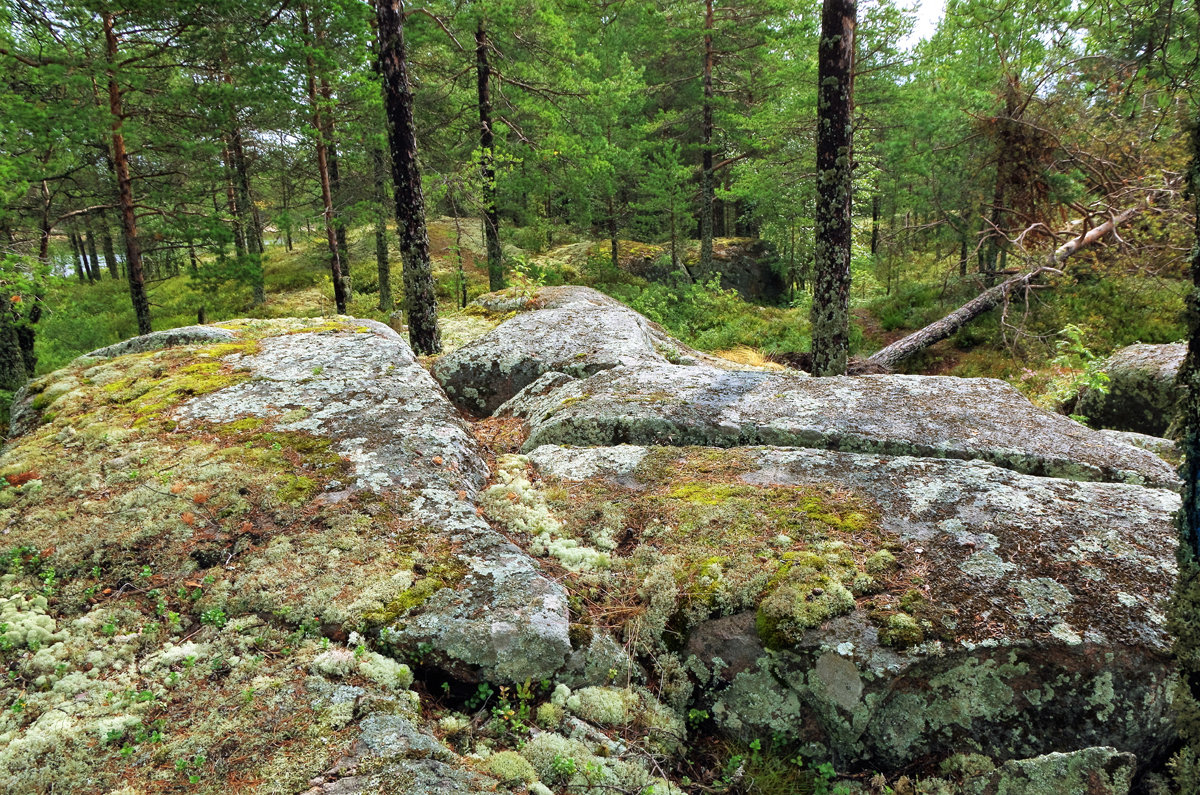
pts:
[689, 539]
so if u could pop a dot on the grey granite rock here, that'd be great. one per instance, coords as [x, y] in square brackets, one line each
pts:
[168, 338]
[1040, 619]
[573, 330]
[1142, 393]
[926, 416]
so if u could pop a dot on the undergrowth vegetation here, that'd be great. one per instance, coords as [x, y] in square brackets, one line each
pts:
[1098, 305]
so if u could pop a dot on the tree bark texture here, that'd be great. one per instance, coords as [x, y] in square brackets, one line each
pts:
[110, 254]
[382, 263]
[231, 204]
[901, 349]
[81, 271]
[93, 254]
[133, 251]
[335, 260]
[835, 98]
[419, 297]
[249, 217]
[875, 225]
[335, 177]
[707, 187]
[1184, 621]
[487, 161]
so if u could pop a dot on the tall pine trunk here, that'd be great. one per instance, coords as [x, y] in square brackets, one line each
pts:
[133, 249]
[487, 161]
[614, 242]
[875, 225]
[335, 176]
[335, 260]
[382, 263]
[248, 215]
[93, 255]
[1184, 624]
[232, 205]
[81, 270]
[706, 153]
[831, 280]
[419, 297]
[110, 254]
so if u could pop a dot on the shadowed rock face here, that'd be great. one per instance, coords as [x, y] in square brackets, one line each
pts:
[937, 417]
[1142, 394]
[574, 330]
[1035, 606]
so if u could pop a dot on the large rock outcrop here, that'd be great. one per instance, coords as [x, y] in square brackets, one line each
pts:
[273, 556]
[574, 330]
[940, 417]
[275, 514]
[1142, 394]
[880, 610]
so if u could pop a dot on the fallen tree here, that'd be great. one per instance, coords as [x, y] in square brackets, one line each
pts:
[905, 347]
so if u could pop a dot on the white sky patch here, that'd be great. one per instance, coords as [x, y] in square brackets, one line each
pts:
[929, 13]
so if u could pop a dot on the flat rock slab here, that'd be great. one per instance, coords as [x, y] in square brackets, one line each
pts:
[1142, 394]
[362, 389]
[1038, 606]
[168, 338]
[574, 330]
[927, 416]
[332, 480]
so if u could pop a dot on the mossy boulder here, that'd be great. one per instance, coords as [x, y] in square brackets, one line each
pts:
[1002, 613]
[205, 543]
[1142, 393]
[576, 331]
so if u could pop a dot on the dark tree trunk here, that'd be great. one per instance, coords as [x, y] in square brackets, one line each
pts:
[613, 239]
[80, 263]
[1185, 604]
[487, 161]
[110, 255]
[835, 98]
[875, 225]
[995, 247]
[461, 274]
[382, 264]
[233, 205]
[93, 255]
[674, 242]
[706, 153]
[335, 179]
[249, 216]
[286, 192]
[25, 336]
[419, 296]
[13, 374]
[335, 260]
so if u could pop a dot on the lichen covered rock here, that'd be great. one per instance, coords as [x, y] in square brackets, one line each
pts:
[1142, 394]
[924, 607]
[927, 416]
[204, 545]
[576, 331]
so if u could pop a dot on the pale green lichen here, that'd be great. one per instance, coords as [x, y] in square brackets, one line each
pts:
[521, 507]
[509, 767]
